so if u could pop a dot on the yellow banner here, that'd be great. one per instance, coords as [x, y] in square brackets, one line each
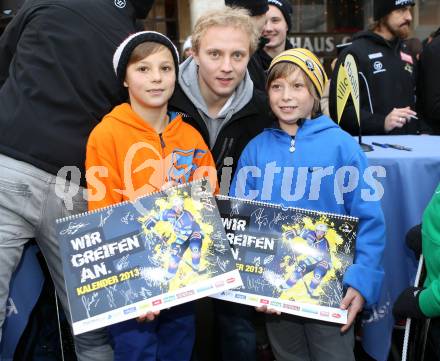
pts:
[353, 77]
[343, 90]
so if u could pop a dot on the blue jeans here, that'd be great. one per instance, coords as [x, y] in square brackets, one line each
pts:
[29, 207]
[170, 337]
[238, 340]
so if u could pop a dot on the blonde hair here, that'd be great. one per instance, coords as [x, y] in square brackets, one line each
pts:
[225, 17]
[284, 70]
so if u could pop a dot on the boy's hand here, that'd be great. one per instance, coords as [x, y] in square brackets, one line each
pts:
[148, 317]
[353, 302]
[269, 311]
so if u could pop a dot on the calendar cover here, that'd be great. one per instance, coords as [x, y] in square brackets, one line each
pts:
[159, 251]
[290, 259]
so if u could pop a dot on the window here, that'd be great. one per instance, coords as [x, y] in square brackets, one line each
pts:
[163, 18]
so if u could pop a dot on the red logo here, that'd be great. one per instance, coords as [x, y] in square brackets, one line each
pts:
[264, 302]
[157, 302]
[336, 315]
[230, 280]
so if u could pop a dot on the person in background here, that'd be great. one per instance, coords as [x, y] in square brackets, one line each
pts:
[389, 75]
[430, 37]
[56, 83]
[256, 8]
[274, 40]
[186, 48]
[414, 46]
[429, 80]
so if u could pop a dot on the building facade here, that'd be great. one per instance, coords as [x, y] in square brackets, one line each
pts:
[316, 24]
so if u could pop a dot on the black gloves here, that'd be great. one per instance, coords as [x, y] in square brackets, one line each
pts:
[407, 304]
[414, 240]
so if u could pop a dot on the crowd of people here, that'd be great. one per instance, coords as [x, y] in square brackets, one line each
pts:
[81, 82]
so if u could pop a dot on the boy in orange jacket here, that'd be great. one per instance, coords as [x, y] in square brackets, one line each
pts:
[138, 148]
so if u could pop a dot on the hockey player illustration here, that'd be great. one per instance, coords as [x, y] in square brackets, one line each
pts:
[188, 234]
[315, 257]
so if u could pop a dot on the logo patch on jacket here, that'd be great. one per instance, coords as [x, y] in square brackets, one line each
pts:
[120, 4]
[378, 67]
[406, 57]
[183, 164]
[375, 55]
[409, 68]
[403, 2]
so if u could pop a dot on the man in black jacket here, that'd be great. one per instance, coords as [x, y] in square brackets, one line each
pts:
[56, 82]
[388, 75]
[429, 83]
[273, 40]
[216, 94]
[218, 98]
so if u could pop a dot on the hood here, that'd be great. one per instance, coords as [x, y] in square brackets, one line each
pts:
[188, 81]
[372, 36]
[124, 114]
[309, 128]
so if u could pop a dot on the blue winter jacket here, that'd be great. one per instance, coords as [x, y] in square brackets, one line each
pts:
[322, 168]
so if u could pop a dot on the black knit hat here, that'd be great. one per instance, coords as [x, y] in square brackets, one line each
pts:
[285, 8]
[256, 7]
[142, 7]
[384, 7]
[123, 52]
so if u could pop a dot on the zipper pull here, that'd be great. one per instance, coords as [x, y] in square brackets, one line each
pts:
[162, 143]
[292, 146]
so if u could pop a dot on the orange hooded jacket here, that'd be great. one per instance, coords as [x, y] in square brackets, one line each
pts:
[126, 158]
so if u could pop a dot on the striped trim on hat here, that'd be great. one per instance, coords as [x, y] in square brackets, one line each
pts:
[124, 50]
[308, 62]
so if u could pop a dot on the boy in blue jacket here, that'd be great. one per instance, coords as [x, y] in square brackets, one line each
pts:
[308, 161]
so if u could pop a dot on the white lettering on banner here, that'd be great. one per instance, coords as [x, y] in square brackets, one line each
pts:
[85, 241]
[345, 180]
[250, 241]
[11, 309]
[105, 251]
[319, 44]
[267, 174]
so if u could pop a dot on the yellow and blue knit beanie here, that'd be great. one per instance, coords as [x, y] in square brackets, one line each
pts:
[307, 61]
